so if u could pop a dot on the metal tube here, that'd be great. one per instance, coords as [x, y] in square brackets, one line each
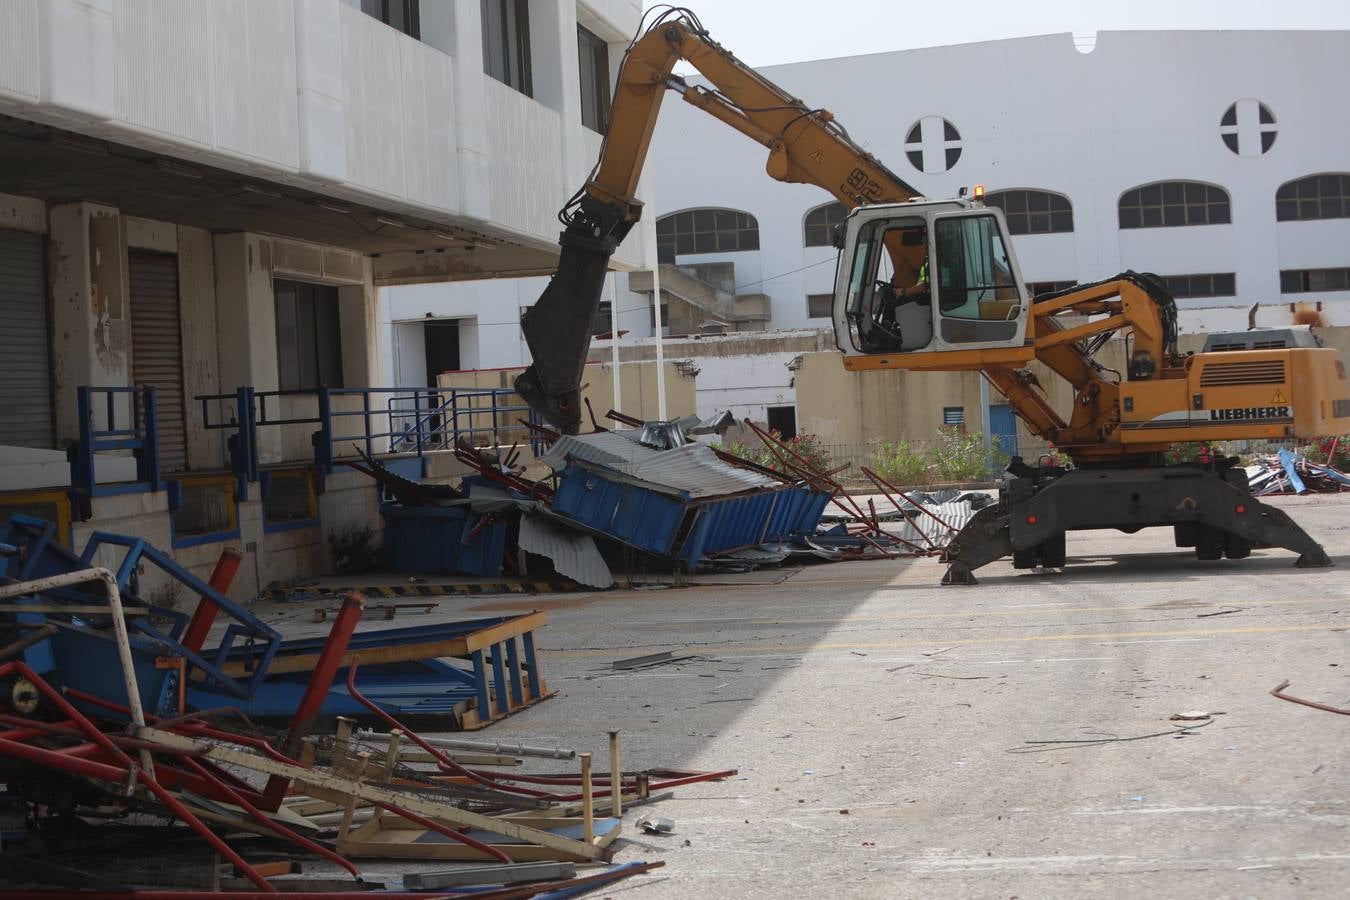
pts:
[614, 343]
[119, 621]
[448, 831]
[616, 775]
[478, 746]
[205, 613]
[27, 641]
[445, 762]
[117, 775]
[262, 819]
[660, 345]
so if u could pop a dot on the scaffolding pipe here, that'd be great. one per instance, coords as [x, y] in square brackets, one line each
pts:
[102, 575]
[475, 746]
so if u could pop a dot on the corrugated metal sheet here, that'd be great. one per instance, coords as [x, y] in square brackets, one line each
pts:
[573, 554]
[692, 470]
[157, 349]
[25, 377]
[607, 448]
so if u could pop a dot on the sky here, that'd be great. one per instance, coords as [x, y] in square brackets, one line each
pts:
[771, 32]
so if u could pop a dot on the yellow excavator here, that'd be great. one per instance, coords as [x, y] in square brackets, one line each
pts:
[933, 285]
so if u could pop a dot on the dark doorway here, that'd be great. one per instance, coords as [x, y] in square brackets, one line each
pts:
[442, 341]
[783, 419]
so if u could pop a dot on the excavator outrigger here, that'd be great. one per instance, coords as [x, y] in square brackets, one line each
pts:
[973, 314]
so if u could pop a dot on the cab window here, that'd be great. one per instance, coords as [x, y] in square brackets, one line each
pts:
[973, 278]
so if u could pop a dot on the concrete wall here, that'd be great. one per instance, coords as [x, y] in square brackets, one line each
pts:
[228, 331]
[268, 558]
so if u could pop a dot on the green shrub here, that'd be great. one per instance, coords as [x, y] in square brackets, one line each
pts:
[760, 455]
[807, 446]
[960, 456]
[900, 464]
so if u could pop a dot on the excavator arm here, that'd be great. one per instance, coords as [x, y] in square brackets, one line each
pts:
[805, 146]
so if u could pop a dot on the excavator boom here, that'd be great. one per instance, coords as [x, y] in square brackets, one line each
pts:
[805, 145]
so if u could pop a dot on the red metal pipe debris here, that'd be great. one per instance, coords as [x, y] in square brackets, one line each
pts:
[262, 819]
[446, 830]
[164, 796]
[205, 613]
[326, 669]
[445, 762]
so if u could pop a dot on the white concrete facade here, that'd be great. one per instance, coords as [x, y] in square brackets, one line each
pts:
[1031, 113]
[316, 94]
[252, 142]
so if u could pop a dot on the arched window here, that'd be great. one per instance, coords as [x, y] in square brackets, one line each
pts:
[1315, 197]
[705, 231]
[820, 222]
[1033, 212]
[1167, 204]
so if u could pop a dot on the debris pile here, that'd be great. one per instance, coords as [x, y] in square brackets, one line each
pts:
[652, 495]
[1294, 473]
[123, 742]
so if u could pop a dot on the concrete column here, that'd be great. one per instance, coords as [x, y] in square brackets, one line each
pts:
[91, 333]
[359, 319]
[201, 356]
[246, 324]
[475, 164]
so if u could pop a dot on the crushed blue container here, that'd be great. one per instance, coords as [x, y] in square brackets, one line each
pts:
[442, 540]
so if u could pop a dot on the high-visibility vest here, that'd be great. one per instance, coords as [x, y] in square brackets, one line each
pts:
[923, 272]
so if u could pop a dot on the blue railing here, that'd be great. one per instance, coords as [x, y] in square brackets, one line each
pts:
[132, 427]
[394, 419]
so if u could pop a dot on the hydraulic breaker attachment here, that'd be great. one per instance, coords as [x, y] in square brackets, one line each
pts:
[558, 327]
[1210, 509]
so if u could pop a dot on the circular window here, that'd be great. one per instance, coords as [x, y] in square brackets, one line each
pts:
[933, 145]
[1248, 128]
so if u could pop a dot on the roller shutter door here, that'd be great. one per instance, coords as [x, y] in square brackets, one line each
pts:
[26, 372]
[157, 349]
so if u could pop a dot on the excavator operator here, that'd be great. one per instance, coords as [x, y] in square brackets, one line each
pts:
[919, 290]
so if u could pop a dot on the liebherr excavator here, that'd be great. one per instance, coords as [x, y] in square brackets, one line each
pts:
[973, 313]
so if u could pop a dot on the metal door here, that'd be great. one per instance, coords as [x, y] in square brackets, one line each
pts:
[157, 349]
[1003, 427]
[26, 374]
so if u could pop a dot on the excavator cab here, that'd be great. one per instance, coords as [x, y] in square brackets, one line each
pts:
[927, 277]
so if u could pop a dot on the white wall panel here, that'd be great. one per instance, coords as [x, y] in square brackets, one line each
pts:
[428, 126]
[163, 66]
[20, 57]
[253, 80]
[372, 72]
[525, 147]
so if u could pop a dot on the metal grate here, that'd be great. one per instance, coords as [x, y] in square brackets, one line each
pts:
[1269, 371]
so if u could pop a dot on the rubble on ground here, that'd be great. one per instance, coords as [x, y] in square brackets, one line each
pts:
[653, 496]
[130, 762]
[1294, 473]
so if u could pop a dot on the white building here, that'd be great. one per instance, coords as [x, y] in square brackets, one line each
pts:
[200, 196]
[1232, 143]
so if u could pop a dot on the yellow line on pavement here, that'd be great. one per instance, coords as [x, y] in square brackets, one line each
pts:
[751, 648]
